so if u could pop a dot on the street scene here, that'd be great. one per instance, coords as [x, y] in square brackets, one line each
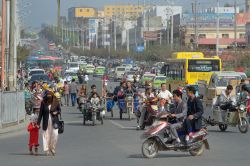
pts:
[114, 82]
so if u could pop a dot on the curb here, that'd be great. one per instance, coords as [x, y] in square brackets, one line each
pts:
[13, 129]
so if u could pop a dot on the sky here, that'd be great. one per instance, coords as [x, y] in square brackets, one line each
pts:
[36, 12]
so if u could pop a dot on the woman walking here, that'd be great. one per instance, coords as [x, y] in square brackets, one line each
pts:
[49, 111]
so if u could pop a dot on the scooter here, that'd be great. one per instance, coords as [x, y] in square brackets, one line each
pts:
[158, 138]
[129, 106]
[94, 112]
[82, 104]
[235, 115]
[151, 106]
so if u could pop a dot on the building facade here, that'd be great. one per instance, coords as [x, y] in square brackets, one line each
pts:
[128, 11]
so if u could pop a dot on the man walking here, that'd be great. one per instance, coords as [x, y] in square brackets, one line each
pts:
[73, 91]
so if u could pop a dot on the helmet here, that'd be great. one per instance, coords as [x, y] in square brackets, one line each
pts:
[57, 95]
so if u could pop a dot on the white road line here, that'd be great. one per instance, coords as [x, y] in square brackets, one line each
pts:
[121, 126]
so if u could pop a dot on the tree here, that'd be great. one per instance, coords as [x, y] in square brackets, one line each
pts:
[228, 5]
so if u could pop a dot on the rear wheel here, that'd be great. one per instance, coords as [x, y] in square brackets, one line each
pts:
[223, 127]
[150, 148]
[243, 125]
[198, 151]
[129, 113]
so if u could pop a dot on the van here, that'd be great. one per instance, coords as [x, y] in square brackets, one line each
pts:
[119, 72]
[74, 66]
[35, 71]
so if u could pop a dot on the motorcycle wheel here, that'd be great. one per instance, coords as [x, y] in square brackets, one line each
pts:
[93, 119]
[150, 148]
[102, 120]
[223, 127]
[244, 126]
[198, 151]
[84, 119]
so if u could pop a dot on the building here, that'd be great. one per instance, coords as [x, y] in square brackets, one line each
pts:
[79, 12]
[128, 11]
[220, 10]
[247, 6]
[100, 14]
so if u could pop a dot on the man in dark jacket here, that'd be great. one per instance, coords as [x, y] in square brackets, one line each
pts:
[193, 122]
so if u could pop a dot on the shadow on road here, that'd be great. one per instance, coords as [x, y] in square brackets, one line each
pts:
[140, 156]
[222, 132]
[25, 154]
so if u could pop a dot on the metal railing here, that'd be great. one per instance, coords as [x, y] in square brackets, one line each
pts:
[12, 108]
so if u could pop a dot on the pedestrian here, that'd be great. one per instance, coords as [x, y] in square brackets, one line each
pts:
[49, 112]
[66, 93]
[33, 130]
[73, 91]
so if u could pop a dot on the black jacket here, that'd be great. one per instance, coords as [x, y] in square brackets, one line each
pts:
[44, 114]
[195, 108]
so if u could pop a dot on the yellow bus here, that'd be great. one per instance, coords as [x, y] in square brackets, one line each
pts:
[190, 67]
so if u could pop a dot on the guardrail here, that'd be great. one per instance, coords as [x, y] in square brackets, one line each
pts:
[12, 108]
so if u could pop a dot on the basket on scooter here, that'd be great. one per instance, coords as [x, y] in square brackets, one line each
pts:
[110, 104]
[122, 105]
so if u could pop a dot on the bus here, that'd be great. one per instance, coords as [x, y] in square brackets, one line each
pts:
[187, 68]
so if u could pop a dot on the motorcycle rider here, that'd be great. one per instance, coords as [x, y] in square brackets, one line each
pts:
[93, 90]
[226, 100]
[193, 121]
[144, 96]
[119, 94]
[165, 96]
[179, 112]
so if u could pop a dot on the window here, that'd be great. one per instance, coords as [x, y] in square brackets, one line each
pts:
[80, 10]
[87, 10]
[202, 36]
[242, 35]
[192, 36]
[225, 36]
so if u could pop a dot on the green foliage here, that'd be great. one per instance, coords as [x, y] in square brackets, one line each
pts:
[22, 53]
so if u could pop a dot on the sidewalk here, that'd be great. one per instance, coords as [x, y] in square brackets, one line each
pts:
[13, 129]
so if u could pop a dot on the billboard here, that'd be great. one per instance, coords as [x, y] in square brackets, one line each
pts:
[92, 28]
[150, 35]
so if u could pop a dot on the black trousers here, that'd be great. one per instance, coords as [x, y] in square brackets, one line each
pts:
[189, 126]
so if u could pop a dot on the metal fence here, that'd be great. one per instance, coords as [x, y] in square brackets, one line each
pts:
[12, 108]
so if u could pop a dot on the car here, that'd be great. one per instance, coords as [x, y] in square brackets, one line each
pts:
[119, 72]
[158, 80]
[72, 75]
[129, 76]
[35, 71]
[146, 77]
[40, 78]
[99, 71]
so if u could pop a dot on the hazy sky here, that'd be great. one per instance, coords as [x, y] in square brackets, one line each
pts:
[44, 11]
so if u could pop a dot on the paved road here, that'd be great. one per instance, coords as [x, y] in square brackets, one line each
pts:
[117, 143]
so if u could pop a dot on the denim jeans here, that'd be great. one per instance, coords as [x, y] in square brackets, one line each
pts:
[73, 98]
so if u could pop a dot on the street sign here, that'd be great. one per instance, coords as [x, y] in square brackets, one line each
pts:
[150, 35]
[140, 48]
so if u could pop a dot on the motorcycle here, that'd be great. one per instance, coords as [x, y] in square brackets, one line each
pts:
[94, 112]
[82, 104]
[129, 105]
[233, 116]
[151, 106]
[158, 138]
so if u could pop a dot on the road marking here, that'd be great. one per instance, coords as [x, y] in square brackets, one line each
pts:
[120, 125]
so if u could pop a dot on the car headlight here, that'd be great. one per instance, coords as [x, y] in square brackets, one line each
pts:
[242, 107]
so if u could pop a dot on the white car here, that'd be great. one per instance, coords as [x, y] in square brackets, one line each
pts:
[129, 76]
[35, 71]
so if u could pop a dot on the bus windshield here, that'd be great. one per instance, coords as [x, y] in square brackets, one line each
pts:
[203, 65]
[73, 65]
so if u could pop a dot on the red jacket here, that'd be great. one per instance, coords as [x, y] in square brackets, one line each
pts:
[34, 134]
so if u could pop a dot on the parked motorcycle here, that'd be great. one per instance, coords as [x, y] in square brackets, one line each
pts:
[158, 138]
[235, 115]
[151, 106]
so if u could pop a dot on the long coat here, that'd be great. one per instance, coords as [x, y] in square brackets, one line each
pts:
[44, 114]
[195, 108]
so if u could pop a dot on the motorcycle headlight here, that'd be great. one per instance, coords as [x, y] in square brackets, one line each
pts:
[242, 107]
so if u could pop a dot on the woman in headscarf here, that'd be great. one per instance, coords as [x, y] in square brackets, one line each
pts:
[49, 112]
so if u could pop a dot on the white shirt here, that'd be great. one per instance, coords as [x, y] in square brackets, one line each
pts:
[165, 95]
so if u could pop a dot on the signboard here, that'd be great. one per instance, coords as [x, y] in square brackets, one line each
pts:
[150, 35]
[140, 48]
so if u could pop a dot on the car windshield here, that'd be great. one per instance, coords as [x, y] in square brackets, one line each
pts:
[71, 74]
[160, 79]
[39, 77]
[36, 72]
[223, 81]
[73, 65]
[130, 73]
[120, 69]
[148, 77]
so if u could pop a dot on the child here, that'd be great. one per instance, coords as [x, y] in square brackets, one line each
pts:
[34, 133]
[95, 101]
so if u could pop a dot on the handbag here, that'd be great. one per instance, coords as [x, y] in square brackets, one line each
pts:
[60, 125]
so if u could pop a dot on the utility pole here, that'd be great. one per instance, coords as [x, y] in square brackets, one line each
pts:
[115, 32]
[235, 28]
[62, 33]
[11, 82]
[217, 30]
[58, 14]
[196, 28]
[3, 44]
[144, 24]
[127, 40]
[172, 30]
